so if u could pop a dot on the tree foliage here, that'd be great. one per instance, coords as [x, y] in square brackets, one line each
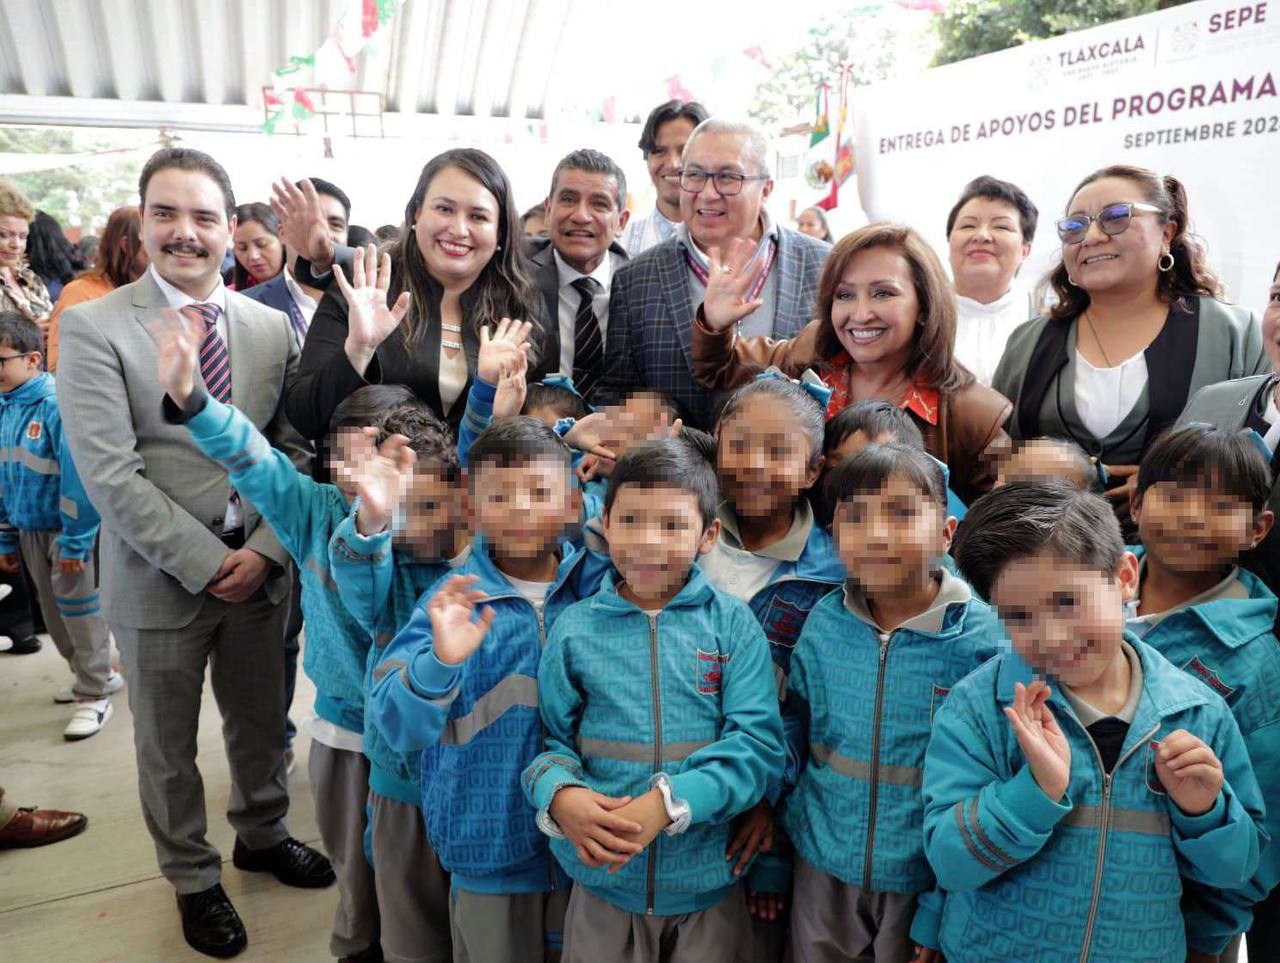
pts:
[970, 28]
[878, 40]
[80, 196]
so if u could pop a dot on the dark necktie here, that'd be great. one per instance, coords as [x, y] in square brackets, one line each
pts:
[588, 346]
[215, 363]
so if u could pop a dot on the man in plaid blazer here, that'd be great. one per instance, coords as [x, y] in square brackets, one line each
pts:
[724, 185]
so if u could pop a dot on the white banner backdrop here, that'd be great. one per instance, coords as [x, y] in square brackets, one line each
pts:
[1189, 91]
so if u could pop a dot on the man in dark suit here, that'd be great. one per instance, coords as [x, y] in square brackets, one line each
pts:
[724, 184]
[574, 266]
[285, 292]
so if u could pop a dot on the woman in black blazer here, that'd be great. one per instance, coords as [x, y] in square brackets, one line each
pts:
[457, 266]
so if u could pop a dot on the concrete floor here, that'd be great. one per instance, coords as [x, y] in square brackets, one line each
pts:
[99, 897]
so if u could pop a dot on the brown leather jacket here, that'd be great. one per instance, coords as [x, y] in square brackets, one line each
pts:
[969, 436]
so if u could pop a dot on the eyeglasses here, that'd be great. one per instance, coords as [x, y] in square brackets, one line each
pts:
[727, 183]
[1112, 220]
[6, 358]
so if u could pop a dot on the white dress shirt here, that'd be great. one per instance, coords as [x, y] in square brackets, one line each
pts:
[180, 299]
[306, 303]
[569, 299]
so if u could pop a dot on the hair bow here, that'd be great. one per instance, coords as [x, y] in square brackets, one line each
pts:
[809, 381]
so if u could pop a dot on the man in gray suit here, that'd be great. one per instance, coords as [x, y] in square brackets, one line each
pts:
[190, 574]
[574, 267]
[724, 183]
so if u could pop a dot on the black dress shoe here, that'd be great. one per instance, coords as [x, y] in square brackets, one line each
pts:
[289, 861]
[211, 924]
[372, 955]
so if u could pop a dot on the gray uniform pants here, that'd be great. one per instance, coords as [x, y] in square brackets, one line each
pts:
[413, 888]
[72, 613]
[832, 922]
[243, 646]
[340, 786]
[595, 929]
[508, 927]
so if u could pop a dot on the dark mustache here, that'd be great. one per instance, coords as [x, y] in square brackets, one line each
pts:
[184, 249]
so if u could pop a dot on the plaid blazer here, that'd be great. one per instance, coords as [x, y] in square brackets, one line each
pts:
[650, 336]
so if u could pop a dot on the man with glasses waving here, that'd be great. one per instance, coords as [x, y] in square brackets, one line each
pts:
[724, 182]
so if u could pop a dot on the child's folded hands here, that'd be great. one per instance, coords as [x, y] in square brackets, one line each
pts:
[594, 825]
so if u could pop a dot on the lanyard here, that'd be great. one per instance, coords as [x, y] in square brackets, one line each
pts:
[700, 270]
[299, 322]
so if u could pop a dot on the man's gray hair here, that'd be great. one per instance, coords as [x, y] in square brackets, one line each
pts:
[757, 142]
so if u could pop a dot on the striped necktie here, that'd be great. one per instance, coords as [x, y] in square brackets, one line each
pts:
[588, 346]
[215, 363]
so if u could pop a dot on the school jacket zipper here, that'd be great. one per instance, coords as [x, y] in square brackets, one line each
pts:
[885, 638]
[1103, 828]
[652, 870]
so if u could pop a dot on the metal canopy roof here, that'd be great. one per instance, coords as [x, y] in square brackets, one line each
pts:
[203, 63]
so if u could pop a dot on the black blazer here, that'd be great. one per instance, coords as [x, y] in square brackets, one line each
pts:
[326, 378]
[539, 252]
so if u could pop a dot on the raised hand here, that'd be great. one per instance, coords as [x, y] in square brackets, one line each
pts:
[302, 222]
[588, 434]
[455, 631]
[369, 319]
[1189, 771]
[1040, 739]
[728, 284]
[508, 400]
[506, 344]
[178, 339]
[590, 821]
[380, 475]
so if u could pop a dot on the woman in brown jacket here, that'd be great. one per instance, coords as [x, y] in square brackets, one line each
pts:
[885, 330]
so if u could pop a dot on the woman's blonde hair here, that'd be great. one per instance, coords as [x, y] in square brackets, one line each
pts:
[14, 203]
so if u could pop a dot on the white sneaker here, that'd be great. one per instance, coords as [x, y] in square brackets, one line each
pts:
[90, 716]
[67, 695]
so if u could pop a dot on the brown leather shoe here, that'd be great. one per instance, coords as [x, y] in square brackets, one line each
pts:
[39, 827]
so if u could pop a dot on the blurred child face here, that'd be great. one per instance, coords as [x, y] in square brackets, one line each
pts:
[1192, 528]
[642, 417]
[764, 459]
[523, 509]
[17, 369]
[432, 514]
[342, 460]
[654, 535]
[1065, 619]
[890, 540]
[1037, 460]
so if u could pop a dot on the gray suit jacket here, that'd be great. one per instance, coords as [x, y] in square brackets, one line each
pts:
[650, 336]
[161, 500]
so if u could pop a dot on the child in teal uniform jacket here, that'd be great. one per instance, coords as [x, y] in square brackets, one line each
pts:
[874, 662]
[1060, 821]
[660, 707]
[405, 532]
[1200, 502]
[46, 515]
[474, 707]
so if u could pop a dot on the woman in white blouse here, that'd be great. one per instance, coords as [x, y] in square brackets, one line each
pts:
[989, 232]
[1138, 326]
